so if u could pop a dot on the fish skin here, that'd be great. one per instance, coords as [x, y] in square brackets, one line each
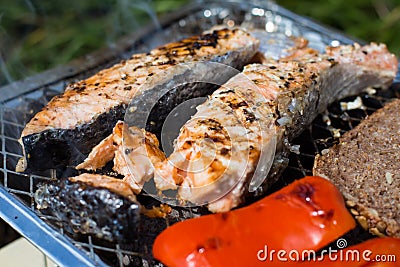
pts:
[290, 95]
[89, 204]
[71, 124]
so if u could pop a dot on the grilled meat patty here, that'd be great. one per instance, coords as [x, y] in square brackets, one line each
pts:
[64, 132]
[251, 118]
[365, 166]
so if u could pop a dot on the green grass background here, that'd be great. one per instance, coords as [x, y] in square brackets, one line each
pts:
[38, 35]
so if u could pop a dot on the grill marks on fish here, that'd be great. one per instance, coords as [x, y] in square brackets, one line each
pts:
[288, 96]
[190, 45]
[228, 127]
[231, 134]
[238, 104]
[110, 87]
[219, 148]
[84, 102]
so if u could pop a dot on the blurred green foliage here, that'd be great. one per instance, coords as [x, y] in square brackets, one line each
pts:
[369, 20]
[37, 35]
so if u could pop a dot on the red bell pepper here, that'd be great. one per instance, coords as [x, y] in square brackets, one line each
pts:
[305, 215]
[377, 252]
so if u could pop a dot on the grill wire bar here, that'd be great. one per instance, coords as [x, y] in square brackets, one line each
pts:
[52, 243]
[22, 100]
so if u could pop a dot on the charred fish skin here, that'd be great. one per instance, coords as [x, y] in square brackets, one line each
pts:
[290, 95]
[89, 210]
[58, 148]
[64, 132]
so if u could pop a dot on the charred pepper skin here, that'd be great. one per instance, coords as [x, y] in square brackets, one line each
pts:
[306, 215]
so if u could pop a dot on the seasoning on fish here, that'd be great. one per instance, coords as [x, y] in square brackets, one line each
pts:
[218, 149]
[71, 124]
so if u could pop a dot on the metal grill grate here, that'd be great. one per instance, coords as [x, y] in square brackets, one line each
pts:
[17, 109]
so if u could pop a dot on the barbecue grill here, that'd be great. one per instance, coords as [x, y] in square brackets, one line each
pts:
[21, 100]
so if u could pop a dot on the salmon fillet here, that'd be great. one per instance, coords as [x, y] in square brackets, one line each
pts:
[244, 127]
[71, 124]
[134, 152]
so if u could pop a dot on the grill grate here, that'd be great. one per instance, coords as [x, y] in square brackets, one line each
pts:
[19, 108]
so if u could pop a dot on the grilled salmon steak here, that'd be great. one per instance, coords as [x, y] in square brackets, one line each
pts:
[65, 131]
[244, 128]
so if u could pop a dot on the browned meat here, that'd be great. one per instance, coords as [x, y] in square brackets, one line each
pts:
[134, 151]
[251, 118]
[71, 124]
